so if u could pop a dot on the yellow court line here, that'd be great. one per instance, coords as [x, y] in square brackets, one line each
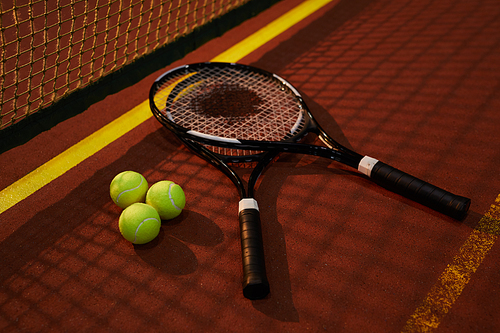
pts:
[452, 282]
[68, 159]
[271, 31]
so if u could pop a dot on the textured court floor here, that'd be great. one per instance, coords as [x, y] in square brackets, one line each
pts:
[413, 83]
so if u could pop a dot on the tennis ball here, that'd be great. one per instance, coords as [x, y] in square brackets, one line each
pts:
[127, 188]
[167, 198]
[139, 223]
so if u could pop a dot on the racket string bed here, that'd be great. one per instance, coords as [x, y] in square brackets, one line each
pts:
[230, 106]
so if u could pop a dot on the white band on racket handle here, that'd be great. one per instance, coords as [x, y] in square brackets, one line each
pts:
[366, 165]
[248, 203]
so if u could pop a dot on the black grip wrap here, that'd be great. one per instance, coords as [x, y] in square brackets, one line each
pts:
[255, 284]
[419, 191]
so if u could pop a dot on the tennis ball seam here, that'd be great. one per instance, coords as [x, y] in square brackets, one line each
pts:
[130, 189]
[170, 196]
[140, 224]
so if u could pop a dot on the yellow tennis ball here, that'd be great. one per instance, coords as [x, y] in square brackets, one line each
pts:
[128, 187]
[139, 223]
[167, 198]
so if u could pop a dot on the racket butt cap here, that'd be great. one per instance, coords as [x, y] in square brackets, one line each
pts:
[255, 288]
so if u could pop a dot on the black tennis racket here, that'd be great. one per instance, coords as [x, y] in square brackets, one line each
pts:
[255, 283]
[232, 113]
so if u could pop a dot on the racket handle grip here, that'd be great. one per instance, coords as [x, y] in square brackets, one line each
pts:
[255, 284]
[418, 190]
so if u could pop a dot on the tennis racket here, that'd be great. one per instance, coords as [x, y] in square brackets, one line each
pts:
[233, 113]
[255, 283]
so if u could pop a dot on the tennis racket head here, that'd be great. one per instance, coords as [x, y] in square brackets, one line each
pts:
[220, 103]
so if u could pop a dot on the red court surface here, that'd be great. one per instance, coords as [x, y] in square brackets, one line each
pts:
[413, 83]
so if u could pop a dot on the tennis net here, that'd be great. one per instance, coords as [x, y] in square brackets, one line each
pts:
[51, 49]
